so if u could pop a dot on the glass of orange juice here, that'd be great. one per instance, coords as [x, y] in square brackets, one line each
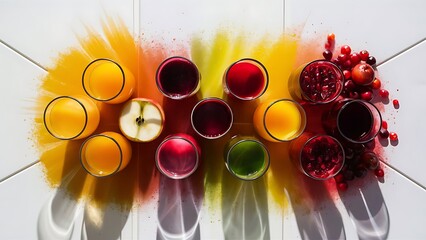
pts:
[104, 154]
[68, 118]
[279, 120]
[107, 81]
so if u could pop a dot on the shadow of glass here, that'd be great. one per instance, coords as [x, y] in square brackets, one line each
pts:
[56, 219]
[317, 215]
[368, 210]
[244, 208]
[103, 223]
[179, 206]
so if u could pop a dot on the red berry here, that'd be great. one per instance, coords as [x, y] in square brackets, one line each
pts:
[384, 133]
[347, 64]
[342, 186]
[384, 124]
[349, 85]
[339, 178]
[327, 46]
[347, 74]
[342, 58]
[354, 94]
[371, 60]
[367, 95]
[376, 84]
[379, 173]
[393, 136]
[327, 54]
[395, 103]
[345, 49]
[355, 58]
[331, 38]
[383, 93]
[364, 55]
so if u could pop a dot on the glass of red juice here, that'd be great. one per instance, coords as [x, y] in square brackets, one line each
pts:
[353, 120]
[211, 118]
[246, 79]
[178, 156]
[319, 157]
[178, 78]
[318, 82]
[246, 157]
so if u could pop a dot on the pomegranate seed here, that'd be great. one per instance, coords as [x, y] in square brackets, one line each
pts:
[327, 54]
[367, 95]
[342, 186]
[383, 93]
[355, 58]
[376, 84]
[345, 49]
[395, 103]
[379, 173]
[331, 38]
[371, 60]
[342, 58]
[364, 55]
[384, 133]
[393, 136]
[384, 124]
[347, 74]
[339, 178]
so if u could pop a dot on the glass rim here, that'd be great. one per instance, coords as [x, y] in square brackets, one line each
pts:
[157, 162]
[310, 139]
[110, 138]
[248, 139]
[366, 104]
[303, 116]
[341, 82]
[157, 78]
[262, 68]
[108, 60]
[86, 117]
[223, 102]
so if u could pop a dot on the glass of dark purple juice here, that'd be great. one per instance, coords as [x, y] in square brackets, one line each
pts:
[319, 157]
[319, 82]
[211, 118]
[246, 79]
[356, 121]
[178, 78]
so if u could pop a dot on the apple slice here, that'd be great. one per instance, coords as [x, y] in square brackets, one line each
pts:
[141, 120]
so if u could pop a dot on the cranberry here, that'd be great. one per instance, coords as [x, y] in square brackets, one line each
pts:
[367, 95]
[376, 83]
[379, 173]
[393, 136]
[383, 93]
[342, 58]
[395, 103]
[384, 124]
[327, 54]
[347, 64]
[355, 58]
[345, 49]
[364, 55]
[347, 74]
[354, 94]
[362, 74]
[384, 133]
[349, 175]
[370, 160]
[371, 60]
[360, 172]
[342, 186]
[349, 85]
[339, 178]
[331, 37]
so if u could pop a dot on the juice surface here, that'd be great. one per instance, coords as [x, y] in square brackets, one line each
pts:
[106, 80]
[247, 158]
[245, 80]
[283, 120]
[177, 157]
[66, 118]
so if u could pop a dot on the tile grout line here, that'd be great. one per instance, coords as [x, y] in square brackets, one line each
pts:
[404, 175]
[402, 52]
[23, 55]
[18, 171]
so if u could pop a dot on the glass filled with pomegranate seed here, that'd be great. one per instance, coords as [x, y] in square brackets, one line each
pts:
[319, 82]
[319, 157]
[353, 120]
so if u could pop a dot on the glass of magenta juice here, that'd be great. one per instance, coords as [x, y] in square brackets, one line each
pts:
[211, 118]
[319, 157]
[246, 79]
[356, 121]
[107, 81]
[246, 157]
[178, 78]
[178, 156]
[319, 81]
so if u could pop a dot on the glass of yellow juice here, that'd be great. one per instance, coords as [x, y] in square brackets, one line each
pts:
[279, 120]
[68, 118]
[107, 81]
[104, 154]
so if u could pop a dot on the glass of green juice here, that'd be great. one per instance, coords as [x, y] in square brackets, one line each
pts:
[246, 157]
